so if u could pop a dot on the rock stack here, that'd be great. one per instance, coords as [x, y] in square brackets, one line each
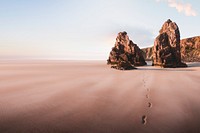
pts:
[125, 54]
[166, 51]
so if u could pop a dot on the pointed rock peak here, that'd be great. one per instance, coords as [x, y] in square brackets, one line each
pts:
[122, 33]
[168, 21]
[169, 26]
[123, 38]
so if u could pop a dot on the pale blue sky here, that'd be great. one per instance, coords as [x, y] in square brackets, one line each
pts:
[86, 29]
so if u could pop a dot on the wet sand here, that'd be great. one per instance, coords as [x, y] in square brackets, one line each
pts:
[90, 97]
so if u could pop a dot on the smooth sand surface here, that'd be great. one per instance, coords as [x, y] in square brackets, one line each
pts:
[90, 97]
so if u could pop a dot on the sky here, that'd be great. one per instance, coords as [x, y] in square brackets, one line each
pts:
[87, 29]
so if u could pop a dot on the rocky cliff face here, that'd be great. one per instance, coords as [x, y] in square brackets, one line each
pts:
[125, 54]
[147, 53]
[190, 50]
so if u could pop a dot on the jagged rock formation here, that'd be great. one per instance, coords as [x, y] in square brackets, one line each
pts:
[166, 51]
[125, 54]
[190, 50]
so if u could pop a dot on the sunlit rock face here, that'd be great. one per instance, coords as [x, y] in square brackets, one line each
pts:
[166, 51]
[125, 54]
[190, 49]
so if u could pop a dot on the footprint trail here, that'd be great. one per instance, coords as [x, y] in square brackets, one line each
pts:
[149, 104]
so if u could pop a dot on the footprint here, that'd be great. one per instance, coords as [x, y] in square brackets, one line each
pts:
[144, 119]
[148, 89]
[150, 105]
[147, 96]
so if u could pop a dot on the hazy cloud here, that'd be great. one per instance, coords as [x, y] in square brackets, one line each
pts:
[185, 8]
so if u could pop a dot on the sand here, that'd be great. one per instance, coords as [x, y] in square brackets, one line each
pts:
[90, 97]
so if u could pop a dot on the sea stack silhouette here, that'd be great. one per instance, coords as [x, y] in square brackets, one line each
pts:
[166, 51]
[125, 54]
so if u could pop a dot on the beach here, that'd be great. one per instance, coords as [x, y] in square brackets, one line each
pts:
[42, 96]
